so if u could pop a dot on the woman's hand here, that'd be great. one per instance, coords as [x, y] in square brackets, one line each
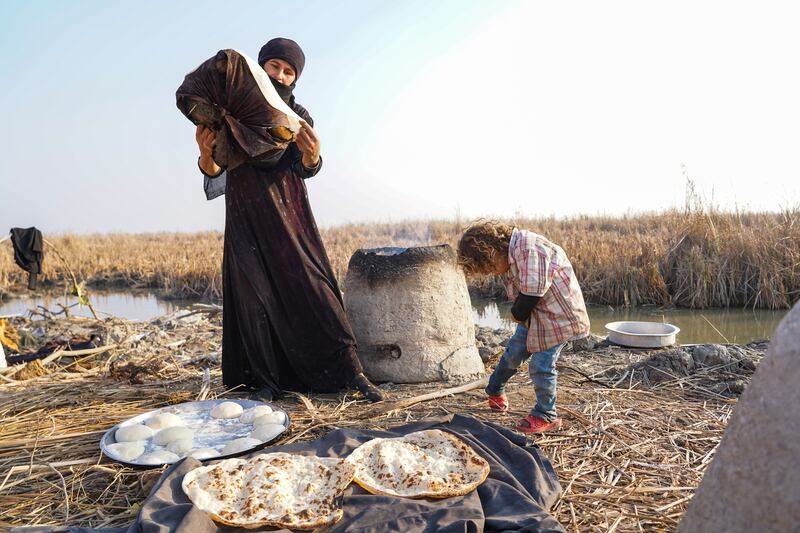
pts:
[308, 144]
[205, 138]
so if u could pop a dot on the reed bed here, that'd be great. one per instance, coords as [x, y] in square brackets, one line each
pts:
[629, 457]
[696, 258]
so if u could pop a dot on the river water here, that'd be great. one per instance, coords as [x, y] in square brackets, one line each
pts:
[133, 305]
[706, 326]
[697, 326]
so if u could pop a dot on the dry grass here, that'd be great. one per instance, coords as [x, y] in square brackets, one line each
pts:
[181, 264]
[695, 258]
[629, 457]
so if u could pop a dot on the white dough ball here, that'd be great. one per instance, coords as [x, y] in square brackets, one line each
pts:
[180, 446]
[127, 451]
[267, 432]
[160, 457]
[203, 453]
[253, 413]
[165, 436]
[276, 417]
[240, 445]
[227, 410]
[133, 433]
[163, 421]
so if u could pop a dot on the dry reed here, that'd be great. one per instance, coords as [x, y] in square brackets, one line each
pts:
[696, 258]
[628, 459]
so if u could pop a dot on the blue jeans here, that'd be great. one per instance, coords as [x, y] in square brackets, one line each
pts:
[542, 369]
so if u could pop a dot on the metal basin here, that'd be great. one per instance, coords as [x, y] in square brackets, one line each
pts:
[642, 334]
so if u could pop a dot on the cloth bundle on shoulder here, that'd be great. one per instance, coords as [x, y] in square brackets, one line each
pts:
[231, 94]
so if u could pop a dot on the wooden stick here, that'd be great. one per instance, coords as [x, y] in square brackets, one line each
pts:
[76, 353]
[402, 404]
[62, 353]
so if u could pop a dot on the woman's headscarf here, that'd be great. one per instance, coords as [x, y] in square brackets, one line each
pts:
[285, 49]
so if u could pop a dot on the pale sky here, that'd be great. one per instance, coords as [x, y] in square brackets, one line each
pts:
[426, 109]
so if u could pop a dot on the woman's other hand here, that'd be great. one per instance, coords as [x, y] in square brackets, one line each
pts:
[205, 138]
[308, 144]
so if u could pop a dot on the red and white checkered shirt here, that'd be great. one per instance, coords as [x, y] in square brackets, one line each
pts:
[539, 267]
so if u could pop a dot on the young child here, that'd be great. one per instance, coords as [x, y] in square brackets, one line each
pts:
[548, 308]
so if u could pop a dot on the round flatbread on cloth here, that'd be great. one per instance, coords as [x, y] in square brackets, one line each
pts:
[424, 464]
[272, 489]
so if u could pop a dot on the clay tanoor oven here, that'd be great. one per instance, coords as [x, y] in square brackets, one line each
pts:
[411, 315]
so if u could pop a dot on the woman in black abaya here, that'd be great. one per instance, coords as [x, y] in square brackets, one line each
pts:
[284, 325]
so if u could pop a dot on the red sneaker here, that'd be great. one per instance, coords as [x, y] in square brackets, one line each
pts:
[498, 403]
[534, 424]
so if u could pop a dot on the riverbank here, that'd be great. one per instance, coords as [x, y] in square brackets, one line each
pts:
[640, 426]
[697, 326]
[698, 258]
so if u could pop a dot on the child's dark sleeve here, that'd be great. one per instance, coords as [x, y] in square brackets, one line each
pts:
[523, 306]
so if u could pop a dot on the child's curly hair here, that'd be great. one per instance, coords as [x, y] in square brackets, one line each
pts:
[481, 243]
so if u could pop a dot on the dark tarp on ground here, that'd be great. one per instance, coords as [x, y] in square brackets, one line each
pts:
[28, 252]
[521, 488]
[284, 324]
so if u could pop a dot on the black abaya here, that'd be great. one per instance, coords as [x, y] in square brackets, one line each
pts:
[284, 325]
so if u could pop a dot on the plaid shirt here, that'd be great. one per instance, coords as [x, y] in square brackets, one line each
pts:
[540, 268]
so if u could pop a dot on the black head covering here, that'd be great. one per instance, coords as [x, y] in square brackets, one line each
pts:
[285, 49]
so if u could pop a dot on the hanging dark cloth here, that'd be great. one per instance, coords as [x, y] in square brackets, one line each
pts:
[28, 252]
[284, 325]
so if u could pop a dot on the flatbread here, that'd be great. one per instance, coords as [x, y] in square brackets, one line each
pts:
[275, 489]
[424, 464]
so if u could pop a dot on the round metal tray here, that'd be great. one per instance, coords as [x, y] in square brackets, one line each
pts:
[209, 432]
